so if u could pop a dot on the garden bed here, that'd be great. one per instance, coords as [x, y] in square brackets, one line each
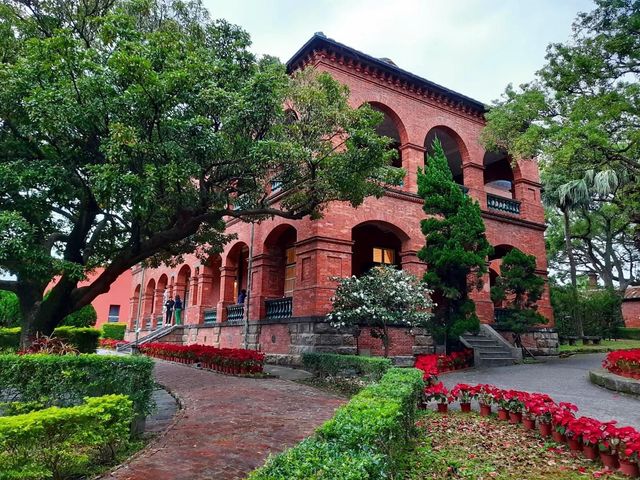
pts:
[468, 446]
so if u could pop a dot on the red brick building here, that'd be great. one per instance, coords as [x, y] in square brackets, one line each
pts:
[631, 307]
[293, 260]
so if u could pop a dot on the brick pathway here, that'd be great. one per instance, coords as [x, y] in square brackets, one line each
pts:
[228, 425]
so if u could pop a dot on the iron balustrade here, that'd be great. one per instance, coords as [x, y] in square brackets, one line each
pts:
[279, 308]
[147, 323]
[159, 321]
[235, 312]
[502, 204]
[210, 316]
[500, 315]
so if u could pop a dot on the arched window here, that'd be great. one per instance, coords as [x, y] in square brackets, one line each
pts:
[453, 147]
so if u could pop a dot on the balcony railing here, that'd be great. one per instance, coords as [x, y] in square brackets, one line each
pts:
[235, 312]
[502, 204]
[147, 323]
[211, 316]
[500, 315]
[279, 308]
[159, 320]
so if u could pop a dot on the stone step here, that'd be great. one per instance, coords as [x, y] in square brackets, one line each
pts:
[495, 355]
[497, 362]
[489, 349]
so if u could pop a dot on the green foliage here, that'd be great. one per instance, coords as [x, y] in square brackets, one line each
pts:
[65, 380]
[10, 315]
[520, 288]
[331, 364]
[63, 443]
[113, 331]
[581, 112]
[598, 310]
[365, 439]
[383, 296]
[456, 247]
[9, 338]
[130, 131]
[84, 339]
[83, 318]
[629, 333]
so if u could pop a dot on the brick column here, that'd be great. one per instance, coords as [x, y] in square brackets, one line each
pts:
[264, 284]
[227, 277]
[528, 193]
[482, 299]
[317, 260]
[412, 159]
[412, 264]
[473, 176]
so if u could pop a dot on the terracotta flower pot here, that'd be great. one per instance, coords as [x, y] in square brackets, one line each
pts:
[503, 414]
[485, 410]
[528, 423]
[609, 460]
[629, 468]
[575, 444]
[558, 437]
[465, 407]
[544, 429]
[590, 451]
[515, 417]
[443, 407]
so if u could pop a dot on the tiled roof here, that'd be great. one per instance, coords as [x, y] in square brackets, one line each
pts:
[632, 293]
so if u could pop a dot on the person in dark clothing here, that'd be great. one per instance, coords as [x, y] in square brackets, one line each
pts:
[242, 296]
[177, 306]
[168, 311]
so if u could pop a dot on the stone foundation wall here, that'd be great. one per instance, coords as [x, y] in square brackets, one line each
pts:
[542, 342]
[285, 341]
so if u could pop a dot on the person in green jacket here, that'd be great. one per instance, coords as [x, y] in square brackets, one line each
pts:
[177, 310]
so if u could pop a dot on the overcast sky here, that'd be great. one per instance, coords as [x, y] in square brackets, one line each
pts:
[475, 47]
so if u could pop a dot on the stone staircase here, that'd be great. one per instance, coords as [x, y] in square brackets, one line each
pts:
[490, 349]
[153, 336]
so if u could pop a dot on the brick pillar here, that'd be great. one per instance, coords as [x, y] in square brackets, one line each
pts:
[528, 193]
[412, 159]
[227, 277]
[482, 299]
[412, 264]
[473, 176]
[317, 260]
[133, 302]
[265, 283]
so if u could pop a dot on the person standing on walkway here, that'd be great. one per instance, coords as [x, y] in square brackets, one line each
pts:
[177, 306]
[168, 309]
[242, 296]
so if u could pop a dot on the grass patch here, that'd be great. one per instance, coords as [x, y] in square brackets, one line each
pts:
[605, 346]
[344, 387]
[468, 446]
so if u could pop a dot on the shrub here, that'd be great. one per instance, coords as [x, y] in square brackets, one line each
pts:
[66, 380]
[84, 339]
[365, 439]
[113, 331]
[334, 365]
[10, 315]
[9, 338]
[83, 318]
[628, 333]
[64, 442]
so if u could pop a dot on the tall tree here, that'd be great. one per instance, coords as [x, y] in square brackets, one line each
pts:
[456, 247]
[520, 288]
[582, 112]
[130, 130]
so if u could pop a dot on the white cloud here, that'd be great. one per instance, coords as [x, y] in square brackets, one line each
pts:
[475, 47]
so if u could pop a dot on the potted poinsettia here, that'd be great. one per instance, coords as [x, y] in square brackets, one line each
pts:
[591, 437]
[562, 415]
[629, 451]
[609, 444]
[515, 405]
[486, 396]
[464, 394]
[440, 394]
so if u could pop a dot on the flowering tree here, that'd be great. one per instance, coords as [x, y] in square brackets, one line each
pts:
[384, 296]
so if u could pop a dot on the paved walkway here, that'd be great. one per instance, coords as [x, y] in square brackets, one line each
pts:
[228, 425]
[566, 380]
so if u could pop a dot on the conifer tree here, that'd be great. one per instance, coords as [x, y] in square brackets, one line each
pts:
[456, 247]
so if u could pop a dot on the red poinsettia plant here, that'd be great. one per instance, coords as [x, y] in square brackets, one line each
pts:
[539, 406]
[562, 415]
[623, 362]
[464, 393]
[585, 428]
[488, 394]
[438, 393]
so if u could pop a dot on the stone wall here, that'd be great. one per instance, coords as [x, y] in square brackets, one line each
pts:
[543, 342]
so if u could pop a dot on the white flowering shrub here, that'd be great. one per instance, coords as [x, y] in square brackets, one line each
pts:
[384, 296]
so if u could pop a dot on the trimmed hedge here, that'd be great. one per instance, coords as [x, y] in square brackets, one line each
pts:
[629, 333]
[84, 339]
[365, 439]
[9, 338]
[331, 364]
[64, 442]
[113, 331]
[65, 380]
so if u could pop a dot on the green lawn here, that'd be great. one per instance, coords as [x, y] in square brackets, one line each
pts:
[605, 346]
[471, 447]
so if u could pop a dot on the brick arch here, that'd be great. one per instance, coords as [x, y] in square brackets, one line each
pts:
[235, 264]
[454, 146]
[397, 121]
[161, 285]
[135, 306]
[278, 234]
[149, 298]
[500, 174]
[375, 234]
